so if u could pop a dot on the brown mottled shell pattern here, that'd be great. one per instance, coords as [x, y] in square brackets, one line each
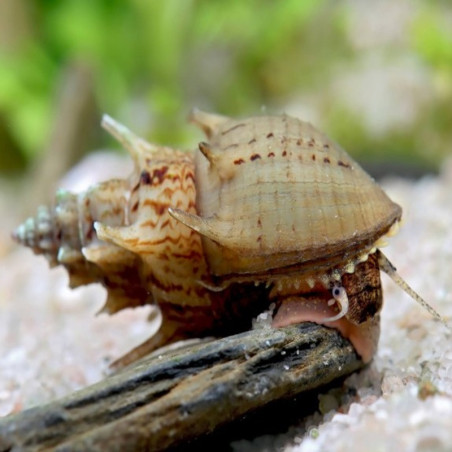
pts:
[267, 210]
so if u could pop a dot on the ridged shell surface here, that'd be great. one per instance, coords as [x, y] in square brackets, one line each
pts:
[171, 255]
[266, 199]
[274, 192]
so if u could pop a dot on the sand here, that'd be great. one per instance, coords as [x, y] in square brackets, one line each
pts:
[51, 342]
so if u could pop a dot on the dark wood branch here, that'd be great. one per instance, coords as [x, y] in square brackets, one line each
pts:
[164, 401]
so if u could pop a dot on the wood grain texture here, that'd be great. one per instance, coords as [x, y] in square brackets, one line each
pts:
[164, 401]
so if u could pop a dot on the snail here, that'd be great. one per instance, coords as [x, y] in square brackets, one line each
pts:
[267, 211]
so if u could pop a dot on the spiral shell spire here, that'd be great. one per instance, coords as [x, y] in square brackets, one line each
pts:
[268, 200]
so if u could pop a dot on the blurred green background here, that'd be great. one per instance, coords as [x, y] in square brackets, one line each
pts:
[376, 76]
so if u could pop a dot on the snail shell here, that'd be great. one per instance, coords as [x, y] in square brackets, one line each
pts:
[269, 210]
[275, 194]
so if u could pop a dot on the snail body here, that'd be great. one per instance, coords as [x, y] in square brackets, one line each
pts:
[269, 210]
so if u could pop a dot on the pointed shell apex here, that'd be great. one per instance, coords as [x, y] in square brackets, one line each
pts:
[207, 122]
[134, 144]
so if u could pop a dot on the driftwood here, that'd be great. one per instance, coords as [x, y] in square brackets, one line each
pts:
[164, 401]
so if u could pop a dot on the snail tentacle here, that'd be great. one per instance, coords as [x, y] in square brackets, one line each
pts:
[340, 297]
[391, 271]
[267, 210]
